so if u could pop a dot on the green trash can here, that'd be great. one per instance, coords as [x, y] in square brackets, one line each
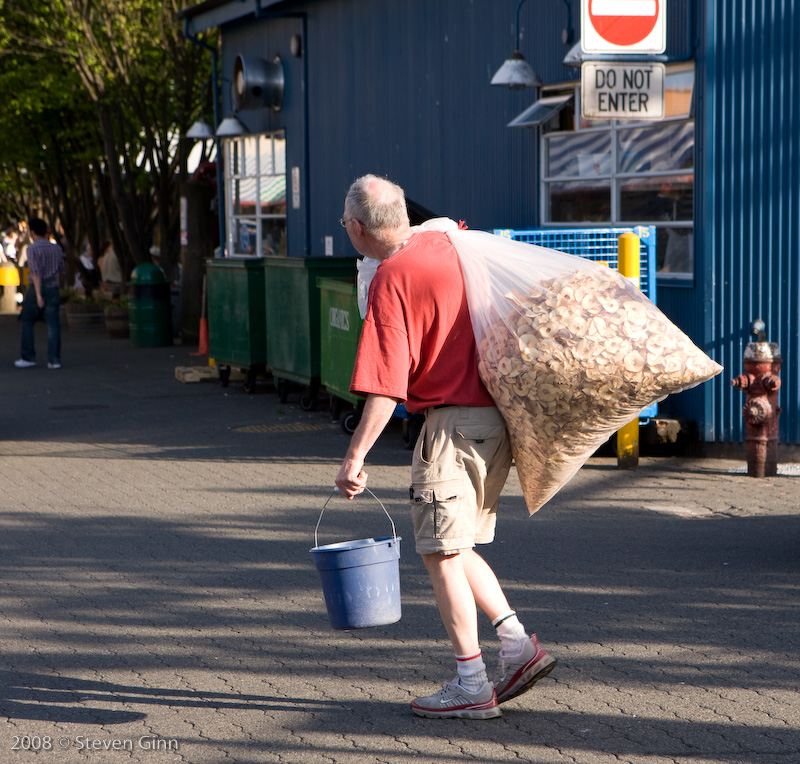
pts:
[150, 308]
[340, 329]
[237, 333]
[293, 319]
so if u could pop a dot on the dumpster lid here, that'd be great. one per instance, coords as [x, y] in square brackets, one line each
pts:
[147, 273]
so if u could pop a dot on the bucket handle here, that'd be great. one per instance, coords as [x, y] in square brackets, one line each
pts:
[335, 491]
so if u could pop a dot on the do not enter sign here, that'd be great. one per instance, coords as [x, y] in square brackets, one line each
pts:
[622, 91]
[623, 26]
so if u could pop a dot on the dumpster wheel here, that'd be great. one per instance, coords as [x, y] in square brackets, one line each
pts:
[309, 401]
[283, 390]
[224, 375]
[350, 421]
[336, 408]
[250, 380]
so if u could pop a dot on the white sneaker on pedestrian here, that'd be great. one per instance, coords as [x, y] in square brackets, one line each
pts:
[53, 365]
[23, 364]
[518, 673]
[453, 701]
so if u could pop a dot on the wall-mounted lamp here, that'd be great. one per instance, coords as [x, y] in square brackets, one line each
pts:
[200, 131]
[231, 127]
[516, 72]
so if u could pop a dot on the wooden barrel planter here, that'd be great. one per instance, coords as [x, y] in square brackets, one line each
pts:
[117, 323]
[84, 316]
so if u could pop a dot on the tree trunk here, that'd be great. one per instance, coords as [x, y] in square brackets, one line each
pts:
[199, 247]
[128, 222]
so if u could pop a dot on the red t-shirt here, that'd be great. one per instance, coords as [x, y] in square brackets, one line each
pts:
[417, 343]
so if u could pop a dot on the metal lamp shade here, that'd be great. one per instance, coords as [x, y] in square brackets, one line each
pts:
[230, 127]
[200, 131]
[516, 72]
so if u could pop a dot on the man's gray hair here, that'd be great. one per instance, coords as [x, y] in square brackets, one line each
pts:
[377, 203]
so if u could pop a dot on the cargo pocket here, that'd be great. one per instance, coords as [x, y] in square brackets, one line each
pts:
[437, 512]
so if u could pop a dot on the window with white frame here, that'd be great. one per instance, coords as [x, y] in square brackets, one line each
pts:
[620, 172]
[255, 194]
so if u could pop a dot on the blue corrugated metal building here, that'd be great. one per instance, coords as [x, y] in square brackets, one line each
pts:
[401, 88]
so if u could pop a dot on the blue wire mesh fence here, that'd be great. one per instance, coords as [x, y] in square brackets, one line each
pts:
[599, 244]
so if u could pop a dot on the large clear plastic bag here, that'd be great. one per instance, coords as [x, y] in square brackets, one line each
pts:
[570, 351]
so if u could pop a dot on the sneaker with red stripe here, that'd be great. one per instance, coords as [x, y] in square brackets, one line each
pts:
[453, 701]
[518, 673]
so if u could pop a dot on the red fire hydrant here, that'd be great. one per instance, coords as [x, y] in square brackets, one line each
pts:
[760, 383]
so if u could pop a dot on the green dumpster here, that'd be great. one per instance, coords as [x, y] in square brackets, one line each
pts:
[293, 319]
[150, 308]
[237, 333]
[340, 328]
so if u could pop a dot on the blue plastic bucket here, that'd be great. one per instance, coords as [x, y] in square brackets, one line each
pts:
[360, 579]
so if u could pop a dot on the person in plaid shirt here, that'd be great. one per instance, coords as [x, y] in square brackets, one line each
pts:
[46, 264]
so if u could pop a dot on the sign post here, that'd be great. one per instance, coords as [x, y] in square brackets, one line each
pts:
[623, 26]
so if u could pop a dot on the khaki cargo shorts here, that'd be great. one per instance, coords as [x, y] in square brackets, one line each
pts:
[460, 465]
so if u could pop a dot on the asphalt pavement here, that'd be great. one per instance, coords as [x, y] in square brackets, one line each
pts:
[159, 602]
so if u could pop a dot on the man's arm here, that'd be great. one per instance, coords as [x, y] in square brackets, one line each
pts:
[378, 410]
[37, 285]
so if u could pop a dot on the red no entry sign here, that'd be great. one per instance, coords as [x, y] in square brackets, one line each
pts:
[623, 26]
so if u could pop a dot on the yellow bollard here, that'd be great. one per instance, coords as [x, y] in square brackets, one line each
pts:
[628, 436]
[628, 446]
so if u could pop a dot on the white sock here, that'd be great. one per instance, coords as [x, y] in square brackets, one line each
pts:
[511, 632]
[471, 672]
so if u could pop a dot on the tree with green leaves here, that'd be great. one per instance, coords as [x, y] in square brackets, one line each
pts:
[101, 93]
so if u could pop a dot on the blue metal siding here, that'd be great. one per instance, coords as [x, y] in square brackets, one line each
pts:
[681, 29]
[749, 184]
[402, 89]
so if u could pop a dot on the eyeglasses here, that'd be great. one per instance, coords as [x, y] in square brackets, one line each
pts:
[344, 221]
